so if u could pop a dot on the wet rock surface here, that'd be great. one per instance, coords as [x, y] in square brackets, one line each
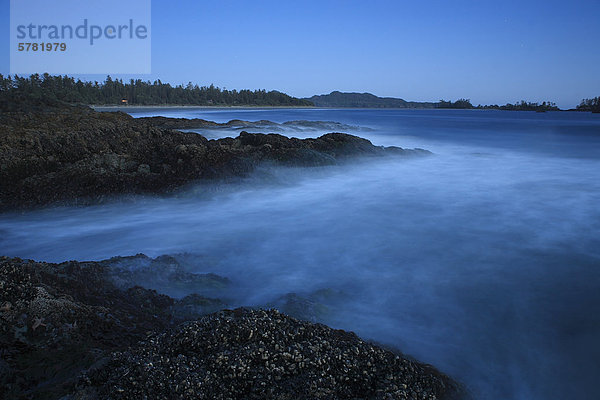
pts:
[167, 274]
[56, 320]
[259, 354]
[77, 155]
[67, 330]
[297, 125]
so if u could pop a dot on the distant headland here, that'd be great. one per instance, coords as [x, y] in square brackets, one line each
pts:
[367, 100]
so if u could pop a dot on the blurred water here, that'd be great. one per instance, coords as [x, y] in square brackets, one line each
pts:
[483, 259]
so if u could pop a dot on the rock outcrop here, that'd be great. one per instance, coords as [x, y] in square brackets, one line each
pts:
[86, 330]
[74, 154]
[270, 126]
[67, 330]
[260, 354]
[57, 320]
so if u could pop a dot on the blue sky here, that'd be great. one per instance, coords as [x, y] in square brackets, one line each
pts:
[488, 51]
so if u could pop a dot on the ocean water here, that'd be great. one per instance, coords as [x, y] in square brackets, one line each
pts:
[483, 259]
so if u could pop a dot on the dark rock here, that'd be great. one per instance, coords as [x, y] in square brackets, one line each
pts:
[258, 354]
[165, 273]
[73, 154]
[62, 321]
[299, 125]
[193, 305]
[56, 320]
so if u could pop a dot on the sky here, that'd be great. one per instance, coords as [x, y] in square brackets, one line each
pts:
[491, 52]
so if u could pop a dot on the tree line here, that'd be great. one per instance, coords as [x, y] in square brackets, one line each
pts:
[523, 106]
[460, 103]
[136, 92]
[592, 105]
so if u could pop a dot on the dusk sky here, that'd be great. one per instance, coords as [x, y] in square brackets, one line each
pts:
[491, 52]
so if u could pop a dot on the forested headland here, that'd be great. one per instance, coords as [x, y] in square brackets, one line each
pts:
[135, 92]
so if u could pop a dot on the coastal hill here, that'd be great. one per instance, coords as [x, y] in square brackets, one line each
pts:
[368, 100]
[363, 100]
[338, 99]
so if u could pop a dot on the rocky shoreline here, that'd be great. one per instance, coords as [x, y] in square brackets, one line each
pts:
[88, 330]
[74, 154]
[72, 330]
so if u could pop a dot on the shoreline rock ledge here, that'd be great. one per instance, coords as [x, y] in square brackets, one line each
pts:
[260, 354]
[77, 155]
[68, 332]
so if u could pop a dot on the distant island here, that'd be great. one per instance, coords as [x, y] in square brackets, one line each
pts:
[157, 93]
[368, 100]
[364, 100]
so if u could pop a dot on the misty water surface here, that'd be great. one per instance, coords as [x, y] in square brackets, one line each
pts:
[483, 259]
